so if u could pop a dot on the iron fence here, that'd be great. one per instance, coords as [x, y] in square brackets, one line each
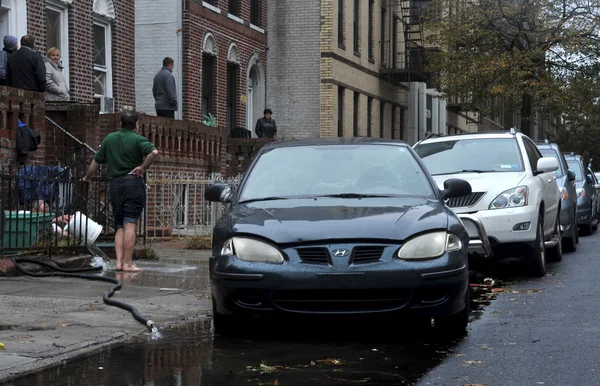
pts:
[176, 205]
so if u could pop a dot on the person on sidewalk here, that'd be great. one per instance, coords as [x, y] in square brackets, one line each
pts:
[25, 69]
[11, 44]
[265, 126]
[128, 155]
[164, 90]
[56, 86]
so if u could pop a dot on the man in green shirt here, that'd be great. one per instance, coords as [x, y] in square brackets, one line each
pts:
[127, 155]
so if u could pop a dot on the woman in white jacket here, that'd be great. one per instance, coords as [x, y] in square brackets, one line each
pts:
[56, 86]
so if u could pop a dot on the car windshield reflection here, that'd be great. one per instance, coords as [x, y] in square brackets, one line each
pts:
[336, 171]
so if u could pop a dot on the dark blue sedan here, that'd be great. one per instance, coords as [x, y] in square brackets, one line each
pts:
[339, 227]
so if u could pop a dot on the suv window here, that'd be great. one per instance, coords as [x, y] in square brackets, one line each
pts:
[575, 166]
[553, 153]
[533, 154]
[484, 155]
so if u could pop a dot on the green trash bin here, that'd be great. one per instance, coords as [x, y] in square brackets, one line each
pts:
[22, 229]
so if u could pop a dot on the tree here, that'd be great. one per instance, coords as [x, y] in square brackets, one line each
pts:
[521, 53]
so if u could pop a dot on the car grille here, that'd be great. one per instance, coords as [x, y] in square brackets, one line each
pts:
[367, 254]
[314, 255]
[460, 202]
[340, 301]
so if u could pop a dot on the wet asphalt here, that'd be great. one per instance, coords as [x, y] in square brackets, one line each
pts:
[525, 331]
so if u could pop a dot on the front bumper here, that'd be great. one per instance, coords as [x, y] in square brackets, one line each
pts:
[500, 224]
[479, 243]
[389, 287]
[584, 211]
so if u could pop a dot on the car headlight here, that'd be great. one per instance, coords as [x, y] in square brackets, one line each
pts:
[251, 250]
[429, 246]
[563, 193]
[511, 198]
[581, 193]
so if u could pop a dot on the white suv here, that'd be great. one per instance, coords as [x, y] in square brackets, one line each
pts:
[514, 192]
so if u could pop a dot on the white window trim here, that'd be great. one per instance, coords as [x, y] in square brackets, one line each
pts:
[257, 28]
[17, 17]
[64, 36]
[211, 7]
[108, 50]
[235, 18]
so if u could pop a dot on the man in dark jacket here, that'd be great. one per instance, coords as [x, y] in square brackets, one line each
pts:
[11, 44]
[164, 90]
[265, 126]
[25, 68]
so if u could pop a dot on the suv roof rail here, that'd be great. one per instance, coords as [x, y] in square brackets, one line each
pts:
[540, 142]
[513, 130]
[431, 135]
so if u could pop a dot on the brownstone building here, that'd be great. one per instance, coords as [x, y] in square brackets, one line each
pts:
[219, 48]
[96, 40]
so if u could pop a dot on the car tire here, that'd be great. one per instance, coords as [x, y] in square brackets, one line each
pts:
[222, 324]
[455, 325]
[537, 260]
[587, 229]
[556, 252]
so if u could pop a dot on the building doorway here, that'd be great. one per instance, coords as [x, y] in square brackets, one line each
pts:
[255, 94]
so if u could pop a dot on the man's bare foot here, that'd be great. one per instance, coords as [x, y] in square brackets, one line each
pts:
[131, 268]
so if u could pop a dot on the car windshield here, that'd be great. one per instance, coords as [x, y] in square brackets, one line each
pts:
[345, 171]
[481, 155]
[575, 166]
[552, 153]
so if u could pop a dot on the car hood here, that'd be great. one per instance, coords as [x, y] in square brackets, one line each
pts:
[306, 220]
[486, 182]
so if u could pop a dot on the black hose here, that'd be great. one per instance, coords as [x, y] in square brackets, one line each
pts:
[73, 272]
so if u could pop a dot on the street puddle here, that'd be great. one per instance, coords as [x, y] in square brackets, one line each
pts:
[315, 351]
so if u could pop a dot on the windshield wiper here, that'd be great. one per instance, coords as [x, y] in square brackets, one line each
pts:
[265, 199]
[355, 195]
[465, 171]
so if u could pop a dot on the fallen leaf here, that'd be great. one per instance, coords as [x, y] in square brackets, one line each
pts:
[1, 346]
[460, 355]
[469, 363]
[276, 383]
[330, 361]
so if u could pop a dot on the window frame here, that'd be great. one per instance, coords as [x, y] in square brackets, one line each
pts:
[356, 27]
[356, 115]
[341, 27]
[234, 7]
[63, 11]
[369, 116]
[108, 89]
[371, 32]
[341, 99]
[210, 106]
[381, 119]
[255, 12]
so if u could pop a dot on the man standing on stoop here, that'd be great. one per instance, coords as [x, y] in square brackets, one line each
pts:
[165, 91]
[128, 155]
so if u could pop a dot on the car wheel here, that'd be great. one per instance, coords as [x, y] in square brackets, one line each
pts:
[587, 229]
[537, 260]
[570, 243]
[556, 252]
[453, 326]
[222, 324]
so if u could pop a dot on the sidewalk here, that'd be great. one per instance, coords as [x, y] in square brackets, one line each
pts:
[46, 321]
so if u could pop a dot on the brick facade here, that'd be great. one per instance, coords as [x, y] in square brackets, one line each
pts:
[80, 14]
[225, 29]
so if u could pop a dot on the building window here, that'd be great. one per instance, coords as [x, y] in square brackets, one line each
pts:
[381, 119]
[371, 27]
[369, 116]
[402, 128]
[340, 21]
[208, 70]
[340, 126]
[255, 12]
[356, 25]
[232, 96]
[382, 52]
[393, 121]
[103, 67]
[356, 101]
[57, 34]
[234, 7]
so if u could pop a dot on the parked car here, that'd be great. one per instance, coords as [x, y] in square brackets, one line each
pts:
[339, 227]
[515, 194]
[587, 194]
[565, 180]
[597, 174]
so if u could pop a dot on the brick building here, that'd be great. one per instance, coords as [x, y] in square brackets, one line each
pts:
[349, 74]
[95, 40]
[219, 49]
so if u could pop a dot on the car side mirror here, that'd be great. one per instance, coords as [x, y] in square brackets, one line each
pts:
[571, 175]
[546, 165]
[456, 187]
[589, 179]
[218, 193]
[596, 186]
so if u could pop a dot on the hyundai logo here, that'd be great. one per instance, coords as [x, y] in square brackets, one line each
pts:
[340, 252]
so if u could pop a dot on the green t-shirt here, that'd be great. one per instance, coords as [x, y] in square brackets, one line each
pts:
[123, 151]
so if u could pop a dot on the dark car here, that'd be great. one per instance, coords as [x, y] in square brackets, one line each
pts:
[587, 194]
[565, 179]
[339, 227]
